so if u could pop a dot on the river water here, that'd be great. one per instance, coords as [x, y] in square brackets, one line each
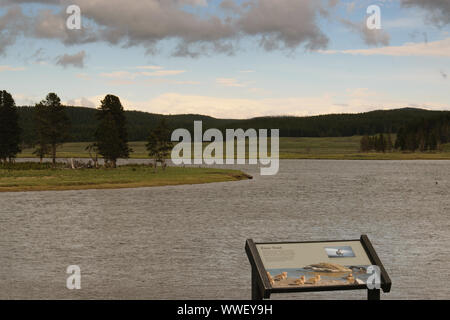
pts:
[187, 242]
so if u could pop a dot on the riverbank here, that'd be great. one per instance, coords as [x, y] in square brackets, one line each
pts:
[333, 148]
[135, 176]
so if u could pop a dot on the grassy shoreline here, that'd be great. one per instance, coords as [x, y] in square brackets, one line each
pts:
[340, 148]
[122, 177]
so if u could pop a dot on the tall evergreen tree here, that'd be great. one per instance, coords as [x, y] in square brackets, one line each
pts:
[159, 143]
[381, 143]
[9, 127]
[389, 143]
[52, 125]
[111, 134]
[365, 144]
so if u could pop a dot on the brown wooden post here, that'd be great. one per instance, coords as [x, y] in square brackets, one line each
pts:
[256, 292]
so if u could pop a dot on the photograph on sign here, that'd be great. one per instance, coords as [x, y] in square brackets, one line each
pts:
[340, 252]
[315, 264]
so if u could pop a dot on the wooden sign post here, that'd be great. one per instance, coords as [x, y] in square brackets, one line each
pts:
[288, 267]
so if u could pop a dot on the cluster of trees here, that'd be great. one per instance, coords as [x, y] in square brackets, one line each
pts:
[49, 123]
[9, 128]
[378, 143]
[51, 128]
[84, 123]
[424, 135]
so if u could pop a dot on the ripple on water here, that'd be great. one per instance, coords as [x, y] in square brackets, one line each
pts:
[187, 241]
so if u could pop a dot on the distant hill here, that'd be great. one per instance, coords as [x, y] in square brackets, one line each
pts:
[333, 125]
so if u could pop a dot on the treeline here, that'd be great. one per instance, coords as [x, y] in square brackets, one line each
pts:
[424, 135]
[51, 127]
[49, 124]
[378, 143]
[84, 123]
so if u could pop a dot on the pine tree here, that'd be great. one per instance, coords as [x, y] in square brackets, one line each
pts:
[111, 134]
[159, 143]
[52, 125]
[381, 143]
[389, 144]
[9, 127]
[365, 144]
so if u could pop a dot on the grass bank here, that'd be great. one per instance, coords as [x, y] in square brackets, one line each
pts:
[45, 179]
[340, 148]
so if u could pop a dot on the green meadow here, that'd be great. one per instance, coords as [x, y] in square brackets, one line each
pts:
[43, 178]
[339, 148]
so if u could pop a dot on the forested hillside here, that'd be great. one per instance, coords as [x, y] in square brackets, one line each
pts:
[84, 122]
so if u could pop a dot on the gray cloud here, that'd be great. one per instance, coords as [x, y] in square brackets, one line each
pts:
[75, 60]
[284, 23]
[439, 10]
[443, 74]
[10, 27]
[230, 5]
[44, 25]
[370, 37]
[281, 24]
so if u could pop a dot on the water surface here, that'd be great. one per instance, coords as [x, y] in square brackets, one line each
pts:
[187, 242]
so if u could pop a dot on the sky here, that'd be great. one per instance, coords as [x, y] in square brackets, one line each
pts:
[229, 58]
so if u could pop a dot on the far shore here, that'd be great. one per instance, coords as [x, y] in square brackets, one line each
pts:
[331, 148]
[349, 156]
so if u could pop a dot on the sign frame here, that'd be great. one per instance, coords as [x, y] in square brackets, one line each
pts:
[262, 289]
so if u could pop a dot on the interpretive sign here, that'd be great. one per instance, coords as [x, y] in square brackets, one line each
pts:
[316, 266]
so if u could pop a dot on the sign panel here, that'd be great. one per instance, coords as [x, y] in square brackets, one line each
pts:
[314, 264]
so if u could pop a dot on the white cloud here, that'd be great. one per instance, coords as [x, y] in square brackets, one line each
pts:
[128, 75]
[229, 82]
[149, 67]
[163, 73]
[354, 100]
[82, 102]
[9, 68]
[120, 75]
[157, 80]
[83, 76]
[25, 99]
[440, 48]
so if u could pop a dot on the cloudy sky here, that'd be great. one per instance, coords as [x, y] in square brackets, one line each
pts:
[229, 58]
